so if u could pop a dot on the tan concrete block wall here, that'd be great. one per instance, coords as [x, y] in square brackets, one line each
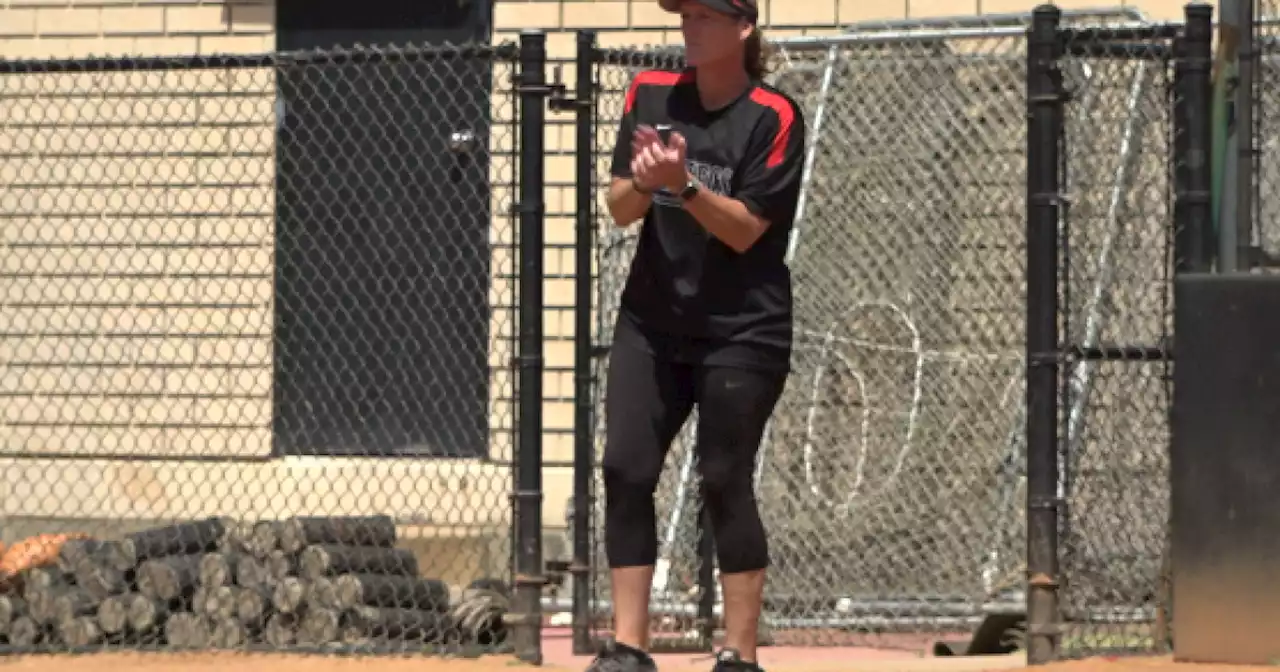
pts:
[235, 141]
[138, 227]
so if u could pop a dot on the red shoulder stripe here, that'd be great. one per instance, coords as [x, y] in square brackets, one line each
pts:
[654, 78]
[786, 117]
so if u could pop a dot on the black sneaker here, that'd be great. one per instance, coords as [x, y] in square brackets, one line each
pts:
[729, 660]
[615, 657]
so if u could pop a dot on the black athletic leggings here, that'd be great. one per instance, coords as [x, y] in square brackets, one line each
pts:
[648, 401]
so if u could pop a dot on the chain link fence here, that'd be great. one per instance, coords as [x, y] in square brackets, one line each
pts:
[257, 350]
[1133, 124]
[1266, 127]
[870, 429]
[892, 479]
[1117, 312]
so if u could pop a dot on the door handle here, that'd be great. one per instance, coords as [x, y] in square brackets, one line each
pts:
[462, 142]
[281, 112]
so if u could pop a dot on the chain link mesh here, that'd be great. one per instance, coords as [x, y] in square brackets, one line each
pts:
[256, 326]
[1117, 314]
[1266, 130]
[892, 451]
[892, 477]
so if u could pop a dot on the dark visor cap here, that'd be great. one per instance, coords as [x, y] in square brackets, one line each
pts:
[746, 9]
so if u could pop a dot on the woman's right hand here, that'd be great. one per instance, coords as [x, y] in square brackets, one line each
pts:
[644, 143]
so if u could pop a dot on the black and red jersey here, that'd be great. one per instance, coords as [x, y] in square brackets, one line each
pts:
[689, 296]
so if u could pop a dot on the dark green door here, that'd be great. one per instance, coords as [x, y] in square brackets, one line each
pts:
[383, 211]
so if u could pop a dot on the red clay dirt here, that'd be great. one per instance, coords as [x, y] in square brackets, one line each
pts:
[775, 660]
[905, 656]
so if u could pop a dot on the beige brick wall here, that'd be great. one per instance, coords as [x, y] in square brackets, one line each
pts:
[174, 380]
[124, 235]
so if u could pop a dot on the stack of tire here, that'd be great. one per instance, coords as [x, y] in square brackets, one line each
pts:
[306, 582]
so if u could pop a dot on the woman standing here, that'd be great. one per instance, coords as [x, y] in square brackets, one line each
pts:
[710, 160]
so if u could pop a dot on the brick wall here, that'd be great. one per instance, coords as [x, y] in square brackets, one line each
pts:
[139, 204]
[51, 28]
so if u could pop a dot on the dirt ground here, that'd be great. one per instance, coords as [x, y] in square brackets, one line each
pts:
[774, 661]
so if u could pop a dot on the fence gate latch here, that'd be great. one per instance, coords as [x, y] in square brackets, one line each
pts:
[552, 89]
[560, 100]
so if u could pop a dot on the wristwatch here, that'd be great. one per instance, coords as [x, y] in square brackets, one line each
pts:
[691, 189]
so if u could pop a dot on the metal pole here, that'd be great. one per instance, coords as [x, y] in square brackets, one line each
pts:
[706, 621]
[1193, 137]
[825, 42]
[1224, 192]
[583, 337]
[526, 613]
[1184, 239]
[1044, 131]
[1234, 107]
[929, 611]
[997, 19]
[806, 178]
[1195, 241]
[662, 571]
[1244, 136]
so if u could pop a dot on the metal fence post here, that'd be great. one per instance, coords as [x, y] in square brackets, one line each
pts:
[1192, 219]
[1245, 147]
[1185, 255]
[1044, 131]
[1195, 240]
[706, 621]
[526, 615]
[583, 334]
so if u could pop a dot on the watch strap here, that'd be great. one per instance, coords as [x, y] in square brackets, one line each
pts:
[690, 190]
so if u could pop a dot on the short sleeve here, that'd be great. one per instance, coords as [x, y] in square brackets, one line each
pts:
[770, 181]
[621, 166]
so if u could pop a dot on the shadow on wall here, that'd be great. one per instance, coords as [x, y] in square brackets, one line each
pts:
[249, 14]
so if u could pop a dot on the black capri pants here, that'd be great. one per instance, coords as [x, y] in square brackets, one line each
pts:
[648, 401]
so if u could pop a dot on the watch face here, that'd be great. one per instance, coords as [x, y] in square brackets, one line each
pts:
[689, 191]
